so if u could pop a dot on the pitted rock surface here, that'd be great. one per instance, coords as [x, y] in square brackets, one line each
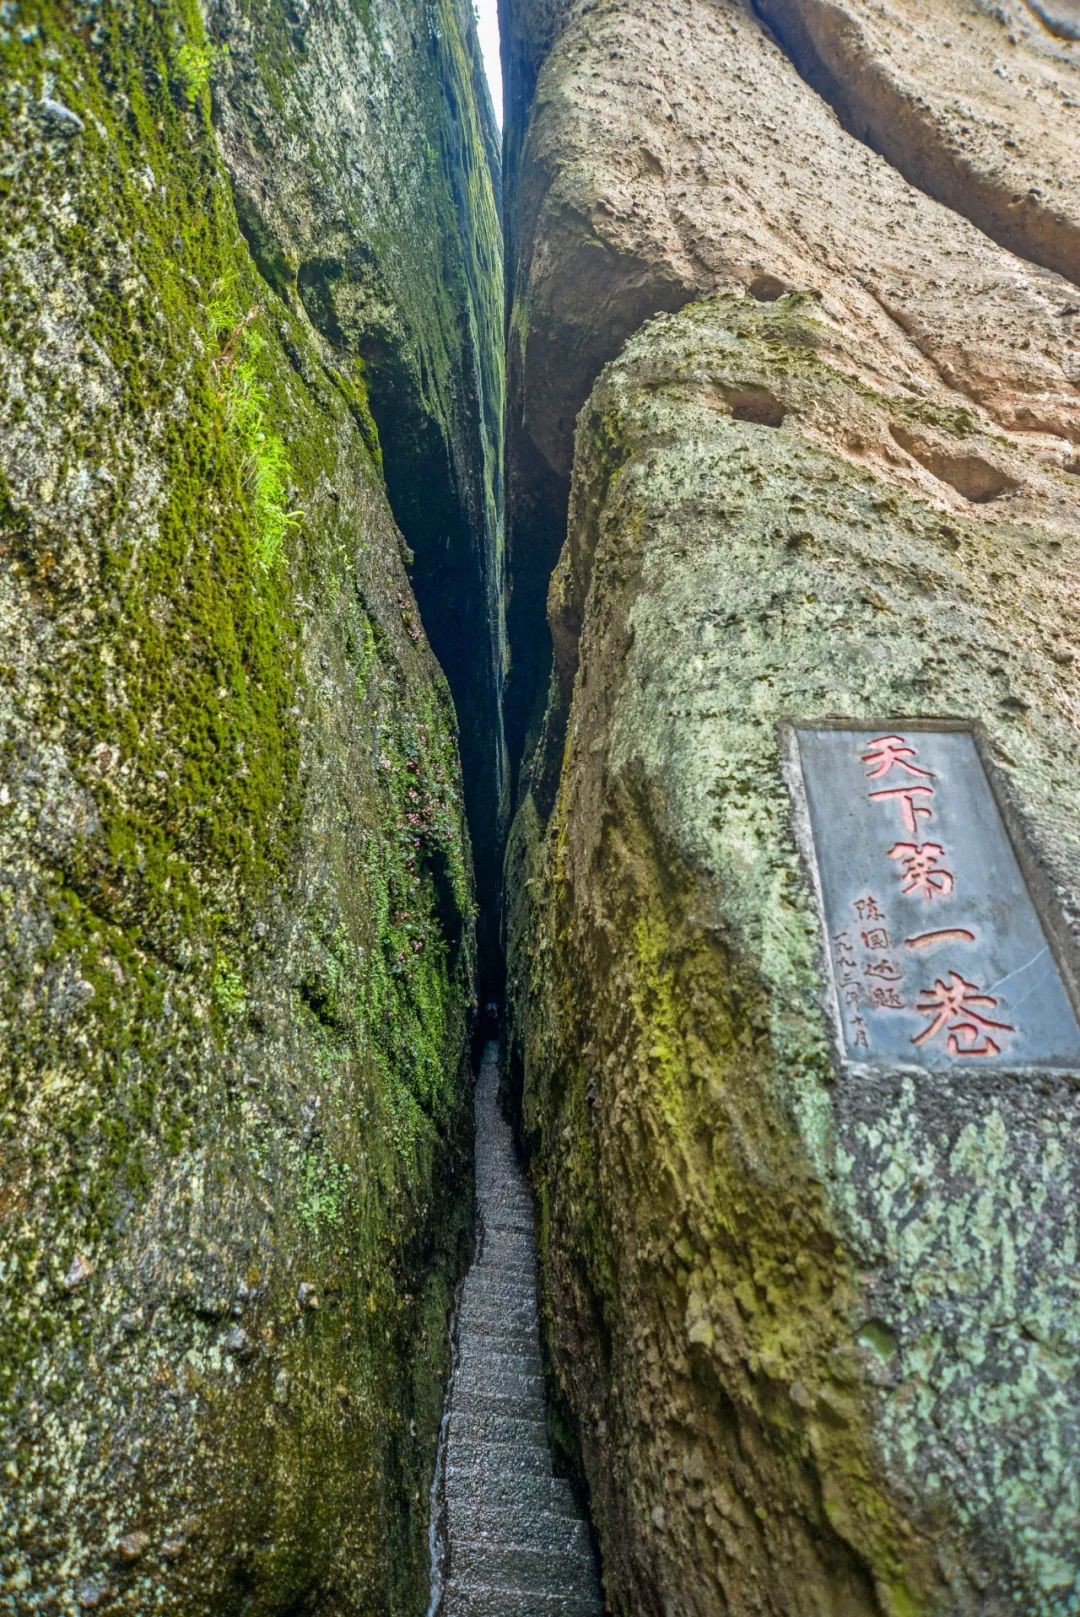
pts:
[519, 1545]
[814, 429]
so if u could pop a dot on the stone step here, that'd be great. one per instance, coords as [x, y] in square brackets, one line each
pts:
[494, 1426]
[478, 1358]
[500, 1183]
[507, 1341]
[513, 1241]
[505, 1335]
[500, 1266]
[491, 1271]
[475, 1521]
[501, 1459]
[501, 1278]
[524, 1492]
[492, 1298]
[532, 1570]
[487, 1316]
[482, 1313]
[496, 1300]
[517, 1544]
[481, 1363]
[506, 1401]
[513, 1397]
[505, 1203]
[503, 1212]
[503, 1217]
[496, 1263]
[470, 1600]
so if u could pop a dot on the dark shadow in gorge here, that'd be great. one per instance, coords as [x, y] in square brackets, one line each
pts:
[451, 571]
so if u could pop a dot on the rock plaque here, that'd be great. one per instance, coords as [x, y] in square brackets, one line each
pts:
[938, 954]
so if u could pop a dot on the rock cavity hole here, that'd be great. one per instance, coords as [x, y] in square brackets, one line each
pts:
[974, 478]
[758, 406]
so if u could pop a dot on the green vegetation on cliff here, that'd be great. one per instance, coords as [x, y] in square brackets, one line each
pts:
[236, 913]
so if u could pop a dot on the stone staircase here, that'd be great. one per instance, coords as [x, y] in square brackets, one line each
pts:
[517, 1544]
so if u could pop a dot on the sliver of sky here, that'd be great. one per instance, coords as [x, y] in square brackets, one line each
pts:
[487, 24]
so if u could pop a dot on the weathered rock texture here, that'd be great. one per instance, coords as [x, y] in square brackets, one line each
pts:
[361, 148]
[978, 105]
[820, 1331]
[236, 906]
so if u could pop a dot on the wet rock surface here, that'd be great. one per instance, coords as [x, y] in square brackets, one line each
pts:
[518, 1544]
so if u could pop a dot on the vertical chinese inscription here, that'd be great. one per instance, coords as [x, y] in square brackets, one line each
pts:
[939, 956]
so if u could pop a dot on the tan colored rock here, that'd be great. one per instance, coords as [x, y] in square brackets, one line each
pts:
[663, 162]
[816, 1326]
[817, 1319]
[977, 104]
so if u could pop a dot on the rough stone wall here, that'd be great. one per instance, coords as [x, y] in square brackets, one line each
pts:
[817, 1328]
[236, 901]
[362, 150]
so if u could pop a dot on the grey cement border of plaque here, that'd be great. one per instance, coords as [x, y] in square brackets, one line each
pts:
[1040, 885]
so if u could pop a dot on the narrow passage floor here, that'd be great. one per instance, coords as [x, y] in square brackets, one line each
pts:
[517, 1543]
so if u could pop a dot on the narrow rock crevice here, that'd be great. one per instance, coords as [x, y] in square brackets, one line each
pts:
[517, 1543]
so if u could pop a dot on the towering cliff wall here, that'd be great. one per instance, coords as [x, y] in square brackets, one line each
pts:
[816, 1321]
[250, 306]
[362, 153]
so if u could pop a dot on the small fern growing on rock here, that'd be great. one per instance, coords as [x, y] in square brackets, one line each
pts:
[268, 471]
[194, 64]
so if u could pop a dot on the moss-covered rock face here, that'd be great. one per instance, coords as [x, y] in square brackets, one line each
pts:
[236, 910]
[819, 1329]
[362, 152]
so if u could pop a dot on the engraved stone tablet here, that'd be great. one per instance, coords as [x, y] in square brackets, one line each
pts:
[938, 955]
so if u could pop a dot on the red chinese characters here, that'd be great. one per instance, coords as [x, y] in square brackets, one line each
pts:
[910, 811]
[892, 752]
[922, 873]
[956, 1008]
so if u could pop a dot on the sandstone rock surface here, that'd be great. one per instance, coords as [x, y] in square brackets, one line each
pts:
[659, 163]
[978, 105]
[816, 1327]
[236, 900]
